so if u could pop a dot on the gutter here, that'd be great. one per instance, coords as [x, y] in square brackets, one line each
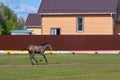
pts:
[75, 13]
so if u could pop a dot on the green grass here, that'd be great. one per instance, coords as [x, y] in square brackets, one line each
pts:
[61, 67]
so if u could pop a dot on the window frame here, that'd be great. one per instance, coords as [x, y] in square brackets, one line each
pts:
[56, 30]
[82, 24]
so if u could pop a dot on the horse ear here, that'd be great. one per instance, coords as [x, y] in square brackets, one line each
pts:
[42, 44]
[48, 42]
[45, 43]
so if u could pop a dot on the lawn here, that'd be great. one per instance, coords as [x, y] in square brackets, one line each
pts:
[61, 67]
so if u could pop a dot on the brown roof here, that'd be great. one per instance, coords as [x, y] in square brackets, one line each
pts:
[33, 20]
[78, 6]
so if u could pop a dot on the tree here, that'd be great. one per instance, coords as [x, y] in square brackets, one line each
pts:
[21, 23]
[9, 20]
[2, 25]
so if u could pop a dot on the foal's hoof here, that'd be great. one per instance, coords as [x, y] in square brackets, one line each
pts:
[32, 64]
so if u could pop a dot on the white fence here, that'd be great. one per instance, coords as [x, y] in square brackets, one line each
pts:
[64, 52]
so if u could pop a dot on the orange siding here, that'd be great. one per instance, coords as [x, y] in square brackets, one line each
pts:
[36, 30]
[66, 24]
[93, 24]
[98, 25]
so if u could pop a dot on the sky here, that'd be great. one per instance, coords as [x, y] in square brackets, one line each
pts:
[23, 7]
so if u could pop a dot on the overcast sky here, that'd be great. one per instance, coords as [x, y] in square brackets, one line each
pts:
[23, 7]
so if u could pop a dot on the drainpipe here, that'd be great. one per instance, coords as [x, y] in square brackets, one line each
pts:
[118, 9]
[113, 24]
[41, 30]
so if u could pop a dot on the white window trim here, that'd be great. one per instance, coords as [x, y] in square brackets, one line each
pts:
[55, 32]
[82, 24]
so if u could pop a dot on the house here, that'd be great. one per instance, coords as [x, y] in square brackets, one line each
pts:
[76, 17]
[33, 23]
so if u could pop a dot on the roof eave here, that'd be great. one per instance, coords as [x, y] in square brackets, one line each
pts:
[33, 26]
[77, 13]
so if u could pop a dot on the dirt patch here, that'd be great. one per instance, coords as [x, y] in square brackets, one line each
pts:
[56, 64]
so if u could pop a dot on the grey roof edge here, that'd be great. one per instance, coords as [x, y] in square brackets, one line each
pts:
[33, 26]
[77, 13]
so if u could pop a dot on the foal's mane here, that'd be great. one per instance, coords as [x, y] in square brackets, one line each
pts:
[43, 44]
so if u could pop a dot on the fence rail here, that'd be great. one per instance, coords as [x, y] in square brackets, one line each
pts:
[62, 42]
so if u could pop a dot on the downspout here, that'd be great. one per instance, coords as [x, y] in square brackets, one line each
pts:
[113, 24]
[41, 25]
[118, 10]
[41, 30]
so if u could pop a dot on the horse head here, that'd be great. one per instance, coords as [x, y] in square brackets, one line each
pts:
[47, 44]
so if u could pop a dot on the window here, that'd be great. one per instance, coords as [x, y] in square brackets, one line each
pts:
[55, 31]
[80, 24]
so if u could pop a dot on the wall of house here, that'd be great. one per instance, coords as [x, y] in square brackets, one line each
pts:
[117, 28]
[93, 24]
[36, 30]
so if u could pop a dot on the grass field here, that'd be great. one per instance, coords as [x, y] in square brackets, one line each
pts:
[61, 67]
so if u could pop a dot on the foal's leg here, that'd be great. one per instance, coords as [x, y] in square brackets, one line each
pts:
[32, 57]
[35, 60]
[44, 56]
